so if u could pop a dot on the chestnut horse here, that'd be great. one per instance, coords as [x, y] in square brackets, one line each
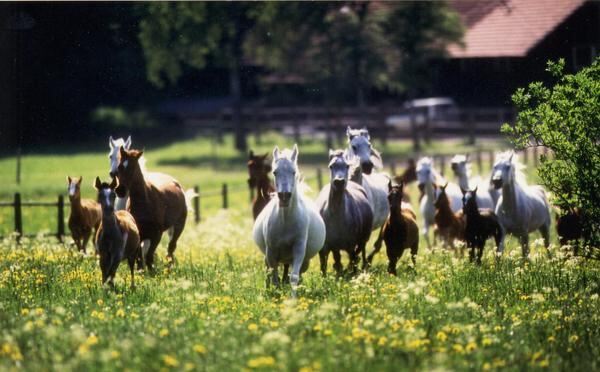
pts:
[450, 225]
[85, 214]
[157, 205]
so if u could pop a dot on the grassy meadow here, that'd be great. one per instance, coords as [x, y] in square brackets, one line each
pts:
[212, 311]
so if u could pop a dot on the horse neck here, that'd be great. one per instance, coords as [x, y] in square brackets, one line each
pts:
[445, 210]
[463, 181]
[429, 191]
[396, 216]
[294, 203]
[509, 195]
[336, 198]
[109, 223]
[76, 207]
[138, 188]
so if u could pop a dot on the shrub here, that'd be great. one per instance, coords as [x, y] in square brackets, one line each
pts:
[566, 119]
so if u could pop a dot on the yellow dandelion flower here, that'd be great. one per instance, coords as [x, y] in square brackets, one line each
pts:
[200, 349]
[163, 332]
[486, 341]
[471, 346]
[441, 335]
[100, 302]
[170, 361]
[544, 363]
[121, 313]
[263, 361]
[551, 339]
[252, 327]
[573, 338]
[25, 311]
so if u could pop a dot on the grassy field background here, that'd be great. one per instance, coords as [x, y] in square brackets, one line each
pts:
[212, 312]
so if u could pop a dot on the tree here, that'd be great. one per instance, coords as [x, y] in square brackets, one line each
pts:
[174, 35]
[355, 46]
[566, 119]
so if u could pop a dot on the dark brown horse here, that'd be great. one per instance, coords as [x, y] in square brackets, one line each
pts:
[117, 238]
[568, 227]
[450, 225]
[85, 214]
[480, 225]
[157, 204]
[409, 175]
[400, 231]
[258, 178]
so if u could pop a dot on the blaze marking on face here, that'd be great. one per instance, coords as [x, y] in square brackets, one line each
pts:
[106, 193]
[125, 163]
[72, 188]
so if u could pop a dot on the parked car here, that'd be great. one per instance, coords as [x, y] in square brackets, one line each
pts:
[425, 110]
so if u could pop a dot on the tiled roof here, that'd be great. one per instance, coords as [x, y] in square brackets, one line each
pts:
[508, 28]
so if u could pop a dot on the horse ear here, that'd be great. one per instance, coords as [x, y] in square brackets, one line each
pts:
[127, 143]
[69, 180]
[111, 142]
[123, 152]
[475, 189]
[331, 154]
[80, 179]
[276, 153]
[365, 133]
[139, 154]
[295, 153]
[348, 129]
[512, 153]
[444, 187]
[463, 191]
[115, 182]
[97, 184]
[250, 154]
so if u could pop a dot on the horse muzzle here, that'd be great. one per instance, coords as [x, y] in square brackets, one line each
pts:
[339, 183]
[367, 167]
[454, 167]
[497, 182]
[284, 198]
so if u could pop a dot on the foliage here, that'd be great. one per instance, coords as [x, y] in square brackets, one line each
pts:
[212, 311]
[119, 118]
[566, 119]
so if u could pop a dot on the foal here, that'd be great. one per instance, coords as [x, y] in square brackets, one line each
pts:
[568, 227]
[258, 172]
[118, 237]
[480, 225]
[400, 230]
[157, 205]
[450, 225]
[85, 214]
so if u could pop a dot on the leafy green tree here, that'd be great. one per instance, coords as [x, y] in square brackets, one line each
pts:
[566, 119]
[176, 34]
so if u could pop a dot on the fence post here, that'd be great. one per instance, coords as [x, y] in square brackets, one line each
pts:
[442, 164]
[478, 160]
[197, 204]
[18, 216]
[471, 126]
[19, 165]
[224, 193]
[319, 179]
[61, 218]
[491, 159]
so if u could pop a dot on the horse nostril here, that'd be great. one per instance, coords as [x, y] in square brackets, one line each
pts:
[338, 182]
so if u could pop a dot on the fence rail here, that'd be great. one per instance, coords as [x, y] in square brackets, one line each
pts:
[440, 161]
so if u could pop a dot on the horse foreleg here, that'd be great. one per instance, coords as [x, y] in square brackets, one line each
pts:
[524, 239]
[285, 277]
[86, 237]
[323, 256]
[337, 261]
[545, 231]
[298, 253]
[413, 253]
[174, 234]
[362, 247]
[376, 246]
[426, 234]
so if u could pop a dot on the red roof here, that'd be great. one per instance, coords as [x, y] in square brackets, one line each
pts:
[508, 28]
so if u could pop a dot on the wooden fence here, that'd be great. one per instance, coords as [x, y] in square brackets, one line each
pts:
[441, 162]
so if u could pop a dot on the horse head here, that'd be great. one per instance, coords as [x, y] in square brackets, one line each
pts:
[395, 195]
[470, 201]
[128, 169]
[459, 165]
[106, 194]
[442, 198]
[359, 145]
[285, 170]
[114, 154]
[74, 187]
[425, 172]
[339, 168]
[503, 170]
[258, 168]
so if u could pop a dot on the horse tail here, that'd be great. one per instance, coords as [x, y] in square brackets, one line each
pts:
[189, 195]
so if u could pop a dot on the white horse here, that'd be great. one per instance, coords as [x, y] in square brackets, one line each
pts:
[427, 180]
[114, 158]
[462, 170]
[289, 229]
[521, 208]
[374, 183]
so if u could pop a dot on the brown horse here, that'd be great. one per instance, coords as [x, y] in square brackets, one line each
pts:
[85, 214]
[258, 172]
[157, 204]
[450, 225]
[568, 227]
[400, 231]
[480, 225]
[117, 237]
